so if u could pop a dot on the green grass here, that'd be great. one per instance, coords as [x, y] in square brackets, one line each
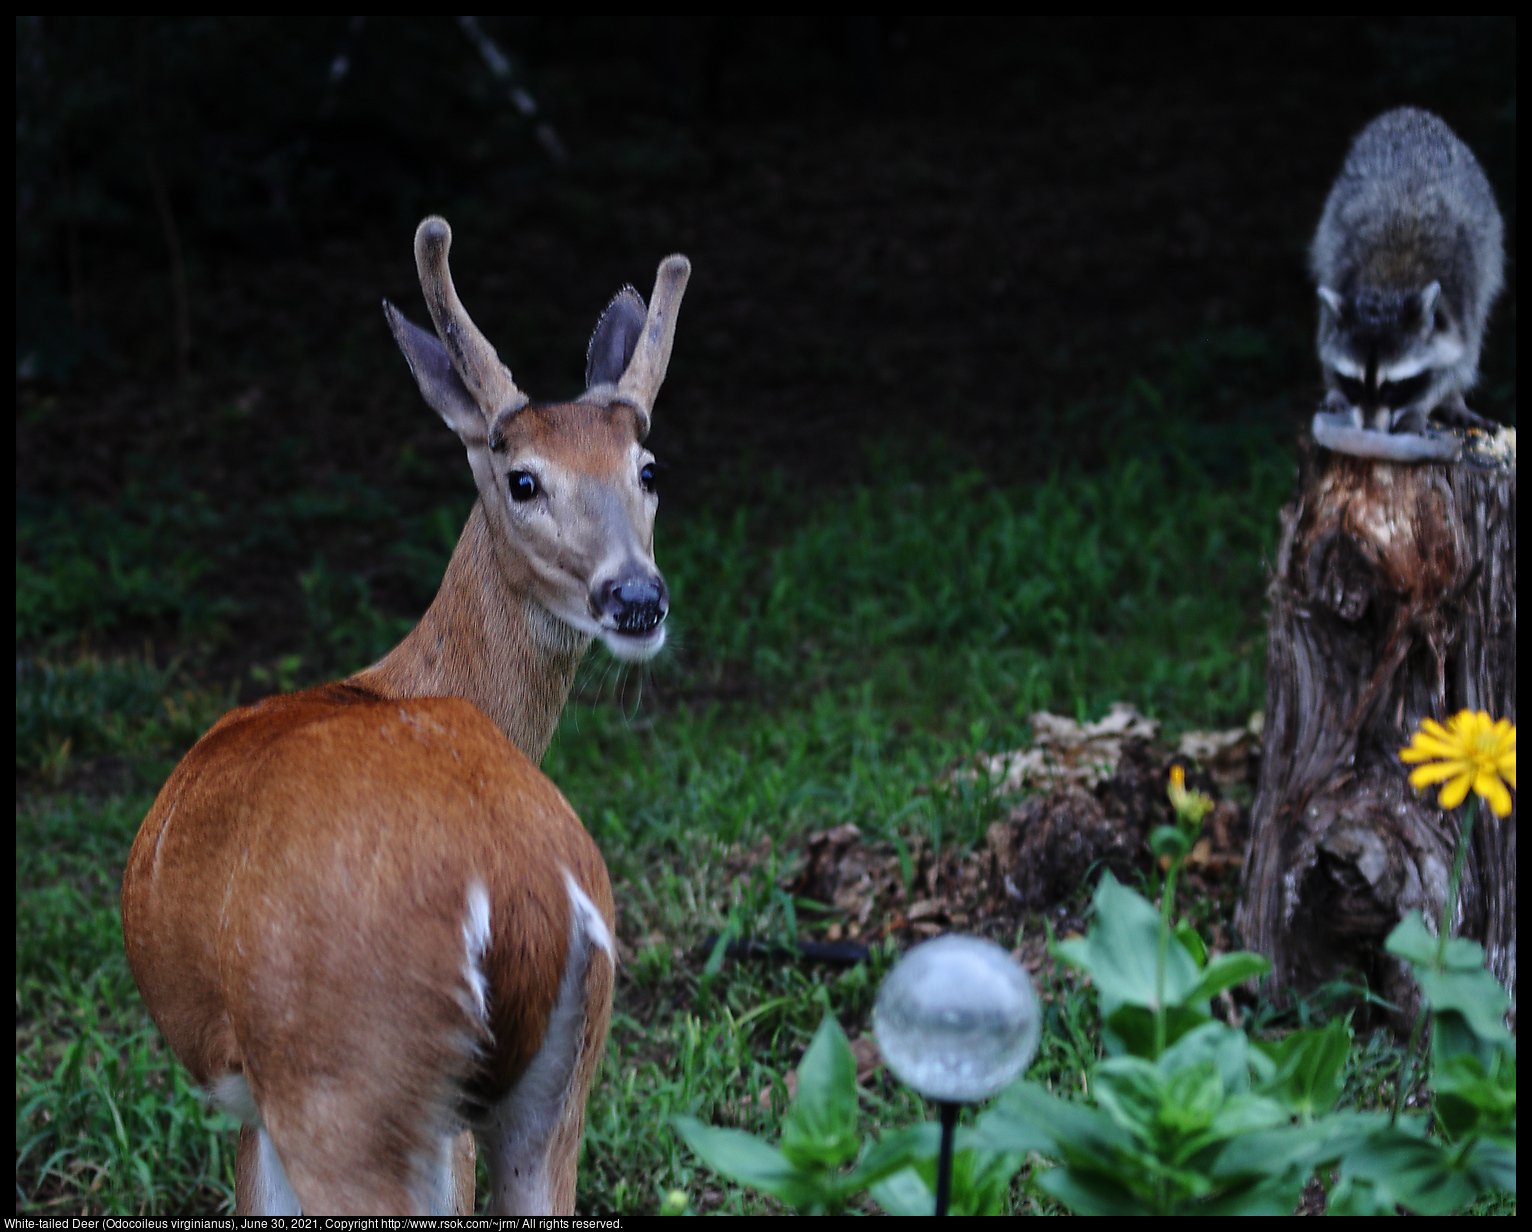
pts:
[91, 707]
[86, 570]
[829, 661]
[105, 1120]
[1140, 583]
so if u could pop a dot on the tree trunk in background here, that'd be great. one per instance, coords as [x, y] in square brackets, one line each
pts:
[1393, 599]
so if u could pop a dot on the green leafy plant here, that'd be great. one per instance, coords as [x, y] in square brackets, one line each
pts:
[818, 1136]
[1472, 1067]
[1192, 1116]
[809, 1170]
[1397, 1162]
[1186, 1114]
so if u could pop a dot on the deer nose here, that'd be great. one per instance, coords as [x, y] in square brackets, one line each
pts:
[636, 603]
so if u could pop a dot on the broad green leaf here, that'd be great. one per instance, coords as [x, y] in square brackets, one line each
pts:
[1235, 1117]
[1416, 1173]
[1268, 1151]
[981, 1179]
[1246, 1114]
[1191, 1098]
[1091, 1193]
[904, 1193]
[1412, 940]
[820, 1126]
[900, 1149]
[1476, 995]
[1492, 1165]
[1001, 1130]
[1167, 841]
[1223, 1045]
[1308, 1067]
[987, 1184]
[1451, 1036]
[1355, 1195]
[1130, 1029]
[1225, 971]
[1121, 952]
[1463, 954]
[1471, 1098]
[745, 1158]
[1026, 1112]
[1276, 1195]
[1131, 1090]
[1195, 946]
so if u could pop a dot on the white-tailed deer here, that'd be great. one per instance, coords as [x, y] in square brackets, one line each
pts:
[362, 917]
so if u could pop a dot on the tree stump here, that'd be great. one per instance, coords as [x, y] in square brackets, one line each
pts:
[1393, 599]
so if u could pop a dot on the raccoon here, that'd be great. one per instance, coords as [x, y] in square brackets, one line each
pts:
[1408, 260]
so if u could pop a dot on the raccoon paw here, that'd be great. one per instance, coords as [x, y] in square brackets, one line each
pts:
[1336, 406]
[1455, 413]
[1411, 420]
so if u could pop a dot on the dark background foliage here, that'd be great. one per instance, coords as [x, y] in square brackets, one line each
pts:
[918, 245]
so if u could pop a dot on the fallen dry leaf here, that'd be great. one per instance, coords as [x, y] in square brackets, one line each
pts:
[868, 1059]
[1064, 752]
[1227, 754]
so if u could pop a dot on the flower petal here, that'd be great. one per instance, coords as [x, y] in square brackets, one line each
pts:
[1437, 771]
[1432, 728]
[1489, 786]
[1467, 724]
[1423, 747]
[1455, 792]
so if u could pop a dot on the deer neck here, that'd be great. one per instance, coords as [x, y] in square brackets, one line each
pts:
[484, 639]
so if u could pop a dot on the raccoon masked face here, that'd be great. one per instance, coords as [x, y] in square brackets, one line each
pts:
[1384, 350]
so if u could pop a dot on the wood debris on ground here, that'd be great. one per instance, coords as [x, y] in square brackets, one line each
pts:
[1097, 789]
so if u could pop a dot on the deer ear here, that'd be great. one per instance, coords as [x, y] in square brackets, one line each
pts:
[439, 382]
[615, 339]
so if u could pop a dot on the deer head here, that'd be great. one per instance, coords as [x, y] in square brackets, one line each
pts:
[567, 488]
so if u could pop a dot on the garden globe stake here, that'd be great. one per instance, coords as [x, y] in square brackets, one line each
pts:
[957, 1020]
[944, 1159]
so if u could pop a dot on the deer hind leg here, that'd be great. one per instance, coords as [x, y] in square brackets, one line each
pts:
[357, 1111]
[532, 1139]
[260, 1183]
[261, 1186]
[350, 1172]
[340, 1169]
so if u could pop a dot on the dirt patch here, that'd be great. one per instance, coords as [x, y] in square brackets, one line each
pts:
[1038, 860]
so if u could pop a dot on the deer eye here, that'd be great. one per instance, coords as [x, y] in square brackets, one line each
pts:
[646, 476]
[523, 486]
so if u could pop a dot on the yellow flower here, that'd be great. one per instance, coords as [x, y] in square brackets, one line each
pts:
[1470, 752]
[1190, 806]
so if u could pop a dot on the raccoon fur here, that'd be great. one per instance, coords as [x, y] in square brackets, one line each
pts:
[1408, 260]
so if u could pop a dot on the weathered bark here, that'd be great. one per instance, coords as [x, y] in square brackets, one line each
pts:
[1393, 599]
